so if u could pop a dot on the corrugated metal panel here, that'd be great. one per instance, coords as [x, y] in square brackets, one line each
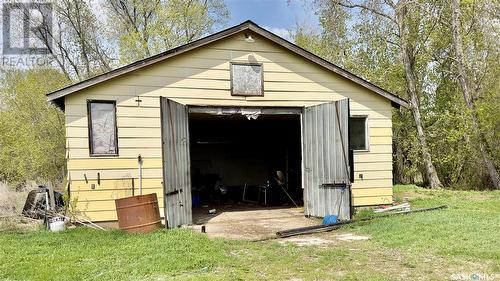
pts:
[325, 159]
[176, 163]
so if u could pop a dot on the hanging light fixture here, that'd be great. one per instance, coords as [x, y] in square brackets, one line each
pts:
[248, 38]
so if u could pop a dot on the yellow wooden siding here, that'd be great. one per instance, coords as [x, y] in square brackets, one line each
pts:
[109, 184]
[111, 193]
[104, 163]
[104, 205]
[115, 174]
[83, 142]
[202, 77]
[373, 200]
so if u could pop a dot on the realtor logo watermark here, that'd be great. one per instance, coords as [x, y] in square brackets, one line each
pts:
[26, 31]
[474, 276]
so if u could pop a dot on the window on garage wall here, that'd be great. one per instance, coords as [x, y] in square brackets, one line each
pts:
[358, 132]
[103, 139]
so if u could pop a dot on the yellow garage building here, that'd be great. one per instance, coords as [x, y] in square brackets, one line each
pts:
[226, 115]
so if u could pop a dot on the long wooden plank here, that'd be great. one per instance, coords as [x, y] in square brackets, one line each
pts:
[372, 175]
[380, 132]
[370, 201]
[124, 122]
[376, 148]
[111, 194]
[125, 183]
[101, 163]
[104, 205]
[373, 166]
[122, 132]
[127, 95]
[81, 110]
[372, 157]
[371, 192]
[149, 96]
[139, 142]
[167, 71]
[116, 174]
[380, 140]
[78, 153]
[369, 183]
[224, 84]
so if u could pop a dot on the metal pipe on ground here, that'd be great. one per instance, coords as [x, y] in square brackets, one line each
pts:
[330, 227]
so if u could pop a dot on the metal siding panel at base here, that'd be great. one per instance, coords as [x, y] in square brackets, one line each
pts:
[324, 148]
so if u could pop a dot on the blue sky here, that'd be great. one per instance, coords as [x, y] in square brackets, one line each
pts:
[278, 16]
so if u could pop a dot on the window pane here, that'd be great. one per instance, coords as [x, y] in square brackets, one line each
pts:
[246, 80]
[103, 128]
[357, 132]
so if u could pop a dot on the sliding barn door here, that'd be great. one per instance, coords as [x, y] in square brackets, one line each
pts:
[326, 159]
[176, 163]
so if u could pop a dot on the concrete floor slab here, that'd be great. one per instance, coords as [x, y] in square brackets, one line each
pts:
[254, 224]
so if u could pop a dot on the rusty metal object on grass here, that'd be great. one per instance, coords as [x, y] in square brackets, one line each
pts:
[138, 213]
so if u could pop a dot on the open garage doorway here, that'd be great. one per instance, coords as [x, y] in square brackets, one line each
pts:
[244, 161]
[236, 156]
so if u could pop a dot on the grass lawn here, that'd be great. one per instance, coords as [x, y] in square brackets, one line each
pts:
[441, 245]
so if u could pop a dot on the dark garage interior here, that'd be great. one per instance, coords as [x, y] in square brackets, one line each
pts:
[239, 162]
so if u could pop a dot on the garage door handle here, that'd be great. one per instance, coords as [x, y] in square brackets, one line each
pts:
[173, 192]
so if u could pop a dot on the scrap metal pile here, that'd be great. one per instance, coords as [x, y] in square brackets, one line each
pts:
[47, 204]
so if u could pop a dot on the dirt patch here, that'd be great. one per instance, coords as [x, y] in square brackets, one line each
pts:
[306, 241]
[351, 237]
[400, 197]
[479, 196]
[323, 239]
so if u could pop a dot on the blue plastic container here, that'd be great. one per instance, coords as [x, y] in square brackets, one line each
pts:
[196, 200]
[330, 219]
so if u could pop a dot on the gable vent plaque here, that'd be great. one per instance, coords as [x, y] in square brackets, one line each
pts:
[247, 79]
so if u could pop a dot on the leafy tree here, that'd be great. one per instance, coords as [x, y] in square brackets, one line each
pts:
[470, 82]
[32, 142]
[146, 27]
[393, 43]
[76, 42]
[387, 42]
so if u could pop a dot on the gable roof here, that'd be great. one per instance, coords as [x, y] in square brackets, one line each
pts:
[57, 95]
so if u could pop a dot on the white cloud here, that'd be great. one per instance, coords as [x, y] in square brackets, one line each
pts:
[281, 32]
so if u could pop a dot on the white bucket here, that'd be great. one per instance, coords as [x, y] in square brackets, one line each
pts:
[57, 224]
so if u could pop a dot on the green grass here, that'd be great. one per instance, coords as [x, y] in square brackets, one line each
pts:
[469, 228]
[428, 246]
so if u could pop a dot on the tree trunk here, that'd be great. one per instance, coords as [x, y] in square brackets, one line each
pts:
[408, 61]
[467, 95]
